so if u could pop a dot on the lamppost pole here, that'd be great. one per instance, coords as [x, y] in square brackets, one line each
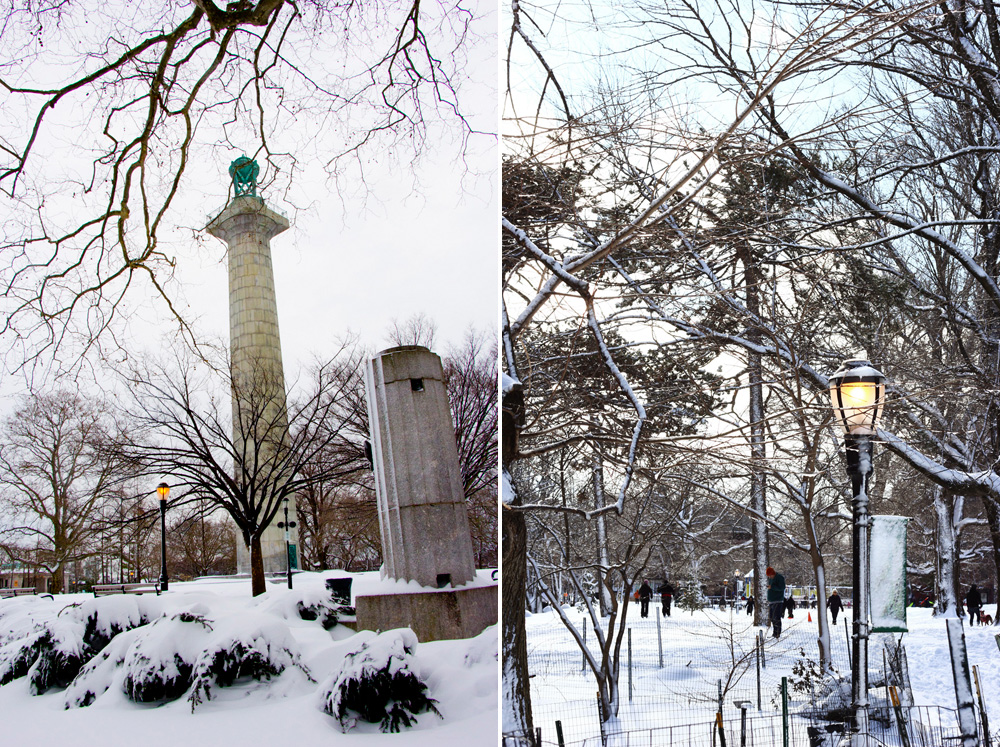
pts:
[857, 393]
[286, 524]
[163, 490]
[859, 467]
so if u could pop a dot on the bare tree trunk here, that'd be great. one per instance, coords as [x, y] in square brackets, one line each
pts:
[517, 699]
[758, 455]
[993, 518]
[257, 581]
[597, 473]
[946, 603]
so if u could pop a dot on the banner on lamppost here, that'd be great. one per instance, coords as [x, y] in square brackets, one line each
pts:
[887, 574]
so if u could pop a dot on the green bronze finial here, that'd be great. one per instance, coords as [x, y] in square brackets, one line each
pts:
[244, 173]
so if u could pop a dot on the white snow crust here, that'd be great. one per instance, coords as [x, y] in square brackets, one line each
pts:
[461, 675]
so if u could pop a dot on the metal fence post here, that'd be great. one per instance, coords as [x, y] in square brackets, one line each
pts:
[758, 671]
[659, 639]
[630, 665]
[583, 667]
[784, 711]
[559, 734]
[982, 707]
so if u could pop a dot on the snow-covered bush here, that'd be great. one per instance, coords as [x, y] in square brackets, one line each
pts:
[98, 674]
[376, 684]
[50, 643]
[61, 654]
[309, 604]
[327, 613]
[689, 596]
[159, 664]
[17, 656]
[79, 633]
[247, 649]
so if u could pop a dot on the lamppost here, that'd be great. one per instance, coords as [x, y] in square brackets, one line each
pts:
[286, 524]
[857, 393]
[163, 490]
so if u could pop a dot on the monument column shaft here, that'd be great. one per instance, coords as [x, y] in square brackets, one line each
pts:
[259, 406]
[422, 512]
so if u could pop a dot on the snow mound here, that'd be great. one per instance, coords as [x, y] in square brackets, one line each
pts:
[311, 603]
[377, 684]
[160, 662]
[18, 656]
[98, 675]
[244, 649]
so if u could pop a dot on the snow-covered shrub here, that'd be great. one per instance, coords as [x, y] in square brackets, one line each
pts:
[689, 596]
[17, 656]
[307, 604]
[61, 655]
[327, 612]
[249, 649]
[106, 617]
[80, 633]
[159, 664]
[98, 674]
[377, 685]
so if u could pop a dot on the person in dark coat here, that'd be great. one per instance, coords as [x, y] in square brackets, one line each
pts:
[974, 602]
[750, 604]
[775, 600]
[645, 592]
[834, 605]
[666, 598]
[789, 604]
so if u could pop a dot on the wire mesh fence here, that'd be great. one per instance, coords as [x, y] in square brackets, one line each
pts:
[924, 726]
[677, 672]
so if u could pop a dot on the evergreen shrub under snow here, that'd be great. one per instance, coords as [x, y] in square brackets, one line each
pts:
[159, 663]
[249, 649]
[376, 684]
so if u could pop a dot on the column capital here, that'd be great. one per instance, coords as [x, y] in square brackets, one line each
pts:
[246, 213]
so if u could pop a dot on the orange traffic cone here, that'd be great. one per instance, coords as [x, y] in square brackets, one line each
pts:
[809, 617]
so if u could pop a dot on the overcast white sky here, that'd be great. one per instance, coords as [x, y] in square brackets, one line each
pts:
[405, 240]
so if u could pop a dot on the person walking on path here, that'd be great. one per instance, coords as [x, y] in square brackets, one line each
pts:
[645, 592]
[666, 598]
[974, 602]
[750, 604]
[775, 600]
[834, 605]
[789, 603]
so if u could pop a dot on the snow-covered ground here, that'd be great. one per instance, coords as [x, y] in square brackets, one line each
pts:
[700, 649]
[461, 676]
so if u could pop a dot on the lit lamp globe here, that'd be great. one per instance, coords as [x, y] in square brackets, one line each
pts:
[857, 393]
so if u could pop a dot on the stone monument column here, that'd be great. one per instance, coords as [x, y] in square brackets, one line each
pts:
[247, 225]
[421, 504]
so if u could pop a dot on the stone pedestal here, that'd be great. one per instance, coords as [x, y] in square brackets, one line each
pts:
[434, 615]
[422, 512]
[247, 225]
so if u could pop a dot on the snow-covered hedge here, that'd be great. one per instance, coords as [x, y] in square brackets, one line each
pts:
[376, 684]
[248, 648]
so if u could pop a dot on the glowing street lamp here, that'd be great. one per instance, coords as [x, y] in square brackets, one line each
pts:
[857, 393]
[163, 490]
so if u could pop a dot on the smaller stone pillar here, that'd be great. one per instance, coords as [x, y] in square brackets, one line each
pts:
[422, 512]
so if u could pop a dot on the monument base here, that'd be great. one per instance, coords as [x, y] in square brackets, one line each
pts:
[272, 552]
[433, 615]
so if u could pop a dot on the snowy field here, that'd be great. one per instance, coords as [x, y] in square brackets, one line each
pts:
[286, 709]
[699, 650]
